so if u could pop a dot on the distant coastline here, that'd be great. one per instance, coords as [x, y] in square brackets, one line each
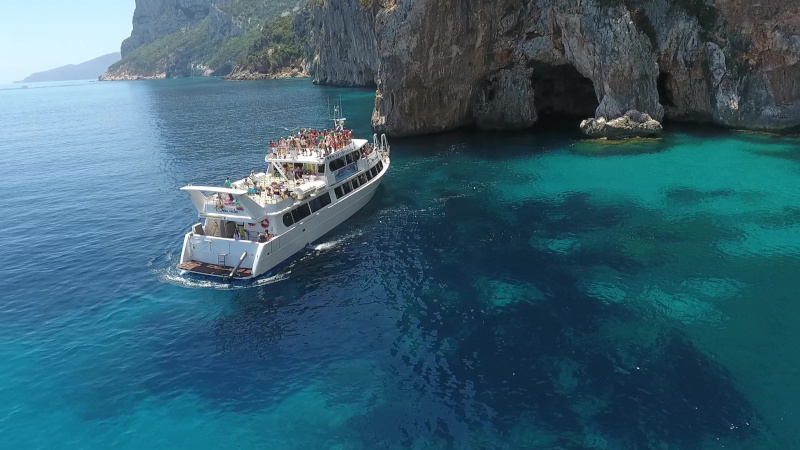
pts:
[89, 70]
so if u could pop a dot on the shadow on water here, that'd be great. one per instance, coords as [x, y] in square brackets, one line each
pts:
[788, 155]
[691, 197]
[540, 353]
[486, 145]
[622, 147]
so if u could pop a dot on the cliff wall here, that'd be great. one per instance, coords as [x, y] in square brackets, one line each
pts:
[153, 19]
[503, 63]
[181, 38]
[338, 46]
[343, 49]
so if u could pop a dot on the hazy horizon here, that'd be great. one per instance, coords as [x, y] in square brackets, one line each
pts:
[53, 34]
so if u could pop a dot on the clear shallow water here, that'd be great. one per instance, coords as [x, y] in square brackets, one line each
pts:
[523, 291]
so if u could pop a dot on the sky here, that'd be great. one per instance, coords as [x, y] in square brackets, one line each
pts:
[37, 35]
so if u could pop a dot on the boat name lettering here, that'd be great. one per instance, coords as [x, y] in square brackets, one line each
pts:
[227, 211]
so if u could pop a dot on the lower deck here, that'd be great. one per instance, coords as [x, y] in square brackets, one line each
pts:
[213, 269]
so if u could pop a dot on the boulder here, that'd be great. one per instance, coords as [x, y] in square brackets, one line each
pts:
[632, 124]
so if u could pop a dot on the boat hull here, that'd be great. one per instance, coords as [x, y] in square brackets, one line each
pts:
[201, 254]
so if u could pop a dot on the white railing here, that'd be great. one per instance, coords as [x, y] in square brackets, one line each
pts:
[286, 152]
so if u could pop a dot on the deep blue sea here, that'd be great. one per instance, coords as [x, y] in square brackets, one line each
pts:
[501, 291]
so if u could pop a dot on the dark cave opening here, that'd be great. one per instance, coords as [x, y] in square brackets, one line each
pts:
[563, 96]
[664, 94]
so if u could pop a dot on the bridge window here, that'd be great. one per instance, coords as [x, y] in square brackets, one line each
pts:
[320, 202]
[301, 212]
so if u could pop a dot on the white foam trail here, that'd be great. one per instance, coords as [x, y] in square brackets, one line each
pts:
[326, 245]
[263, 281]
[177, 277]
[323, 246]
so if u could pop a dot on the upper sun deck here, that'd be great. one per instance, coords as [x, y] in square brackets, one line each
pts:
[311, 155]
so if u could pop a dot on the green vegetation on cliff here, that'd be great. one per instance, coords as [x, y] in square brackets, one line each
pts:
[277, 46]
[155, 58]
[212, 46]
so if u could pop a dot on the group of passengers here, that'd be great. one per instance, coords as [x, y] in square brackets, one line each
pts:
[274, 190]
[266, 236]
[367, 150]
[311, 143]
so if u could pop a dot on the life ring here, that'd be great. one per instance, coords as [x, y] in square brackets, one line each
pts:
[265, 223]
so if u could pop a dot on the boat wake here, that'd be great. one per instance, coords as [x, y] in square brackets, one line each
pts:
[172, 275]
[321, 247]
[336, 243]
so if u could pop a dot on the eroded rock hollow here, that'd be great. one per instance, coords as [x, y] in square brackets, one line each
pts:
[503, 64]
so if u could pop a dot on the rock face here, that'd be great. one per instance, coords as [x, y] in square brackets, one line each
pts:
[341, 49]
[503, 63]
[184, 38]
[632, 124]
[338, 46]
[736, 63]
[153, 19]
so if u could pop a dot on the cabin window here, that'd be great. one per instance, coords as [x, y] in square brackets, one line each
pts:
[321, 168]
[379, 166]
[301, 212]
[356, 156]
[320, 202]
[374, 171]
[349, 158]
[347, 188]
[338, 191]
[336, 164]
[287, 219]
[369, 174]
[362, 179]
[356, 184]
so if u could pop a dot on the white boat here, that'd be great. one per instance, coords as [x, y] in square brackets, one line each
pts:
[260, 221]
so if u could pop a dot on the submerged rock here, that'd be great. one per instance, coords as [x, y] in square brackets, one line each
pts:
[632, 124]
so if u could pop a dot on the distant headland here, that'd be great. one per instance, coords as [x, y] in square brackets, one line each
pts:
[89, 70]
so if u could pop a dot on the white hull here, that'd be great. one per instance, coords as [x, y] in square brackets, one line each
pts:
[262, 257]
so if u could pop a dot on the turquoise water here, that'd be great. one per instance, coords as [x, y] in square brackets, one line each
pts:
[530, 290]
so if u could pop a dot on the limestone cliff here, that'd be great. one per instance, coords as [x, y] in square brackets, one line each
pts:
[338, 47]
[180, 38]
[343, 50]
[153, 19]
[503, 63]
[276, 53]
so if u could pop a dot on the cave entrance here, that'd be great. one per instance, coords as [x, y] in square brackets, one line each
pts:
[563, 96]
[664, 93]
